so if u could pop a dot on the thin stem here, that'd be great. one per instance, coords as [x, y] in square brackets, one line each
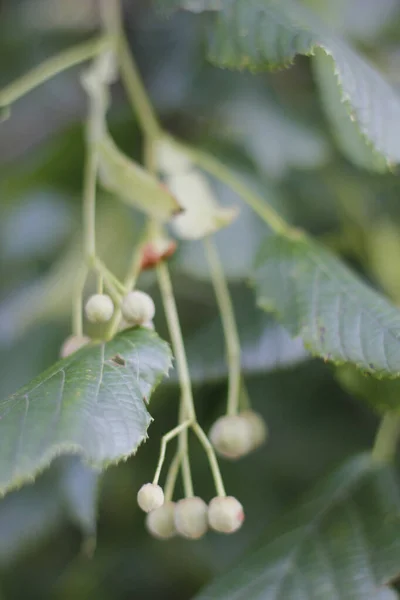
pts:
[184, 453]
[132, 80]
[109, 276]
[77, 302]
[100, 283]
[232, 341]
[387, 437]
[172, 476]
[134, 268]
[51, 67]
[164, 441]
[244, 398]
[185, 465]
[109, 282]
[212, 459]
[174, 327]
[218, 170]
[89, 204]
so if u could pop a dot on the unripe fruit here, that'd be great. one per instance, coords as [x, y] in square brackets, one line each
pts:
[160, 522]
[190, 517]
[138, 308]
[259, 429]
[231, 436]
[225, 514]
[72, 344]
[150, 497]
[99, 308]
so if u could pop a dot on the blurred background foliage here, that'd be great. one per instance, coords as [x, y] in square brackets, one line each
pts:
[271, 129]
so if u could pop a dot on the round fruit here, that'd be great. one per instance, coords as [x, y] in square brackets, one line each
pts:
[259, 429]
[99, 308]
[191, 517]
[72, 344]
[231, 436]
[150, 497]
[160, 522]
[138, 308]
[225, 514]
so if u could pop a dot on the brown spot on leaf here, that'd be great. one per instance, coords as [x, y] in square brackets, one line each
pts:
[118, 360]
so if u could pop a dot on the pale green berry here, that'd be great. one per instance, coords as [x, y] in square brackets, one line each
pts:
[138, 308]
[231, 436]
[150, 496]
[225, 514]
[99, 308]
[259, 429]
[190, 517]
[72, 344]
[160, 522]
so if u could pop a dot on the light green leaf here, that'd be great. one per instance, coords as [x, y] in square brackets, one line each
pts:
[91, 403]
[341, 542]
[315, 296]
[132, 184]
[201, 214]
[268, 34]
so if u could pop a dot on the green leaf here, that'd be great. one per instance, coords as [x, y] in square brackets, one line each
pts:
[132, 184]
[346, 131]
[268, 34]
[338, 316]
[90, 403]
[67, 489]
[342, 541]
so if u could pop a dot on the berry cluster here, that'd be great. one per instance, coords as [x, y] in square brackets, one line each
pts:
[137, 308]
[189, 517]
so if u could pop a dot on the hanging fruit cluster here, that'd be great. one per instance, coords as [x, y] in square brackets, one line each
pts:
[174, 193]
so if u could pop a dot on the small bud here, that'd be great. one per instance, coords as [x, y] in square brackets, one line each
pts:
[191, 518]
[160, 522]
[225, 514]
[259, 429]
[72, 344]
[150, 496]
[138, 308]
[231, 436]
[156, 251]
[99, 308]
